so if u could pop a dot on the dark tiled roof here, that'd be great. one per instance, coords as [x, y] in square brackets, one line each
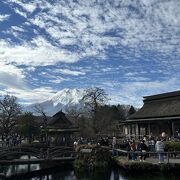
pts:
[59, 120]
[161, 105]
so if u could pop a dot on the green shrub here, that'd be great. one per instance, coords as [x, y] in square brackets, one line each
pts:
[172, 146]
[97, 157]
[79, 164]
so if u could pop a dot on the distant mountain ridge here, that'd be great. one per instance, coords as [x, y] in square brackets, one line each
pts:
[60, 101]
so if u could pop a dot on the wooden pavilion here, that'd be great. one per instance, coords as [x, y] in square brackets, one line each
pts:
[160, 113]
[60, 130]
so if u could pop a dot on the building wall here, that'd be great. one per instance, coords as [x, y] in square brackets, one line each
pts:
[138, 130]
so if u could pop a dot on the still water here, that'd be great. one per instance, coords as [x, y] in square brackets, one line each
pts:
[70, 174]
[113, 174]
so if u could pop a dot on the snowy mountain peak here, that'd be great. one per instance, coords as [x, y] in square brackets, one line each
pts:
[60, 101]
[67, 96]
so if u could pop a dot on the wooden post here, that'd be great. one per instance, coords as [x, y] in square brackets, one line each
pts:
[129, 130]
[168, 157]
[149, 129]
[29, 165]
[137, 131]
[172, 126]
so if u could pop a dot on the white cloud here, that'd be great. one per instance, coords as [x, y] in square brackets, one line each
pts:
[12, 70]
[16, 31]
[11, 76]
[31, 95]
[28, 7]
[56, 81]
[17, 28]
[4, 17]
[66, 32]
[16, 10]
[34, 54]
[139, 25]
[69, 72]
[132, 92]
[30, 68]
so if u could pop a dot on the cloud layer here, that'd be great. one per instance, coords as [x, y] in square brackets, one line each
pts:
[86, 43]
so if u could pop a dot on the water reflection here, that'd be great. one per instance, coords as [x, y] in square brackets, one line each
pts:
[113, 174]
[62, 173]
[16, 169]
[116, 175]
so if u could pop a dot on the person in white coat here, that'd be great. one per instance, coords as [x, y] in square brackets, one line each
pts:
[160, 150]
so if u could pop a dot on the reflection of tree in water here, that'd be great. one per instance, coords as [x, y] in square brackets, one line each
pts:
[64, 175]
[68, 173]
[103, 174]
[10, 170]
[3, 169]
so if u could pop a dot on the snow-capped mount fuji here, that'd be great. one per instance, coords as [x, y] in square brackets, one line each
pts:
[60, 101]
[67, 97]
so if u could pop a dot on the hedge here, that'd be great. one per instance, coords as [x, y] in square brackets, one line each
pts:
[172, 146]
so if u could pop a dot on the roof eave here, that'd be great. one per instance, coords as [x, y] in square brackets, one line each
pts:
[152, 119]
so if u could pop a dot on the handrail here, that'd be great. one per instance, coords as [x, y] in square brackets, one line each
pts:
[39, 153]
[149, 152]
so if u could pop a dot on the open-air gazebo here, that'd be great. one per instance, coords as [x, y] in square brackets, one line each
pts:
[60, 130]
[160, 113]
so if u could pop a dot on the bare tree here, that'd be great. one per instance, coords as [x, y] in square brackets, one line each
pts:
[40, 110]
[9, 112]
[73, 113]
[93, 99]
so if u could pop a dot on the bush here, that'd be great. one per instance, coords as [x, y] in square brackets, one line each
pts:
[98, 157]
[172, 146]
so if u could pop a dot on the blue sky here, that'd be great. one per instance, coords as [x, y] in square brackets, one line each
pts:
[131, 48]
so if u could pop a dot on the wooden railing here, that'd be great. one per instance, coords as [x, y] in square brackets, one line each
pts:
[40, 153]
[168, 154]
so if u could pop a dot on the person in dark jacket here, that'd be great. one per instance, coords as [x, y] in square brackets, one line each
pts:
[143, 149]
[132, 150]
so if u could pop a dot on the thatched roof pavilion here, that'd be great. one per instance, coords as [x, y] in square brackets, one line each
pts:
[60, 123]
[159, 113]
[60, 130]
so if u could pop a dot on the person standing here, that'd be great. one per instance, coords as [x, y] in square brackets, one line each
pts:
[132, 150]
[143, 149]
[160, 150]
[152, 144]
[114, 146]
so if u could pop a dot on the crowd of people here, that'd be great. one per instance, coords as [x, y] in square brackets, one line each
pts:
[146, 146]
[137, 150]
[10, 140]
[103, 141]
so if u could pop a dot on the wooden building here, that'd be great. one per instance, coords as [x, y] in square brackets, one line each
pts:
[60, 130]
[160, 113]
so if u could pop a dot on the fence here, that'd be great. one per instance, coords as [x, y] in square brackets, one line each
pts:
[169, 155]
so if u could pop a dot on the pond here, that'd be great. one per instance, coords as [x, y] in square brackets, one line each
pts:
[112, 174]
[61, 173]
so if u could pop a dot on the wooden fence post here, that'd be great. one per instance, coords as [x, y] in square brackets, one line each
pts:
[168, 157]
